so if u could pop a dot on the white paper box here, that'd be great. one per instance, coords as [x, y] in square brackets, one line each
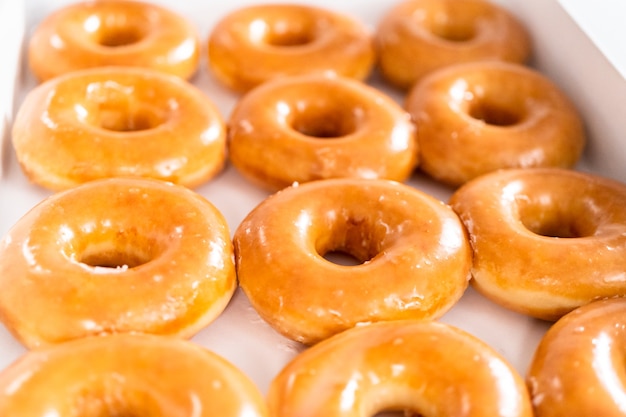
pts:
[562, 51]
[11, 37]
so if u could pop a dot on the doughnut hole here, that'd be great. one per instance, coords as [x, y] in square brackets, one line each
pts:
[121, 249]
[351, 241]
[562, 218]
[119, 36]
[289, 36]
[495, 102]
[448, 21]
[291, 31]
[495, 114]
[116, 107]
[114, 30]
[129, 119]
[325, 122]
[398, 413]
[449, 29]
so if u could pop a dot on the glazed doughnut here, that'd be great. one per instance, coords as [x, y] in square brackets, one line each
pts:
[257, 43]
[479, 117]
[110, 122]
[419, 36]
[425, 367]
[113, 33]
[113, 256]
[312, 127]
[578, 367]
[545, 240]
[412, 252]
[127, 375]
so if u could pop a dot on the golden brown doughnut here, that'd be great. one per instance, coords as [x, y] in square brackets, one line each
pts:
[425, 367]
[479, 117]
[109, 122]
[416, 37]
[127, 375]
[578, 368]
[545, 240]
[257, 43]
[112, 256]
[412, 251]
[312, 127]
[95, 33]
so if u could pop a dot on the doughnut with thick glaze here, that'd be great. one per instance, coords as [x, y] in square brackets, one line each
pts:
[480, 117]
[545, 240]
[127, 375]
[412, 252]
[112, 256]
[419, 36]
[113, 33]
[578, 368]
[423, 367]
[313, 127]
[109, 122]
[257, 43]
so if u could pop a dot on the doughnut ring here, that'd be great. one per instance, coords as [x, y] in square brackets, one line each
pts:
[127, 375]
[545, 240]
[112, 122]
[417, 37]
[313, 127]
[261, 42]
[412, 252]
[480, 117]
[423, 367]
[577, 368]
[113, 33]
[114, 256]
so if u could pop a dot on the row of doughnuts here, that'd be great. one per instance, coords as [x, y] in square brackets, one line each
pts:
[564, 233]
[367, 256]
[116, 121]
[376, 366]
[420, 366]
[279, 132]
[256, 43]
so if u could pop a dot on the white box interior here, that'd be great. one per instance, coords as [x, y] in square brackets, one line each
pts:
[562, 51]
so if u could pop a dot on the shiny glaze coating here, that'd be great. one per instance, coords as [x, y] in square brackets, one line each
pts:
[413, 256]
[417, 37]
[257, 43]
[127, 375]
[113, 33]
[428, 368]
[313, 127]
[479, 117]
[545, 240]
[112, 256]
[578, 367]
[109, 122]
